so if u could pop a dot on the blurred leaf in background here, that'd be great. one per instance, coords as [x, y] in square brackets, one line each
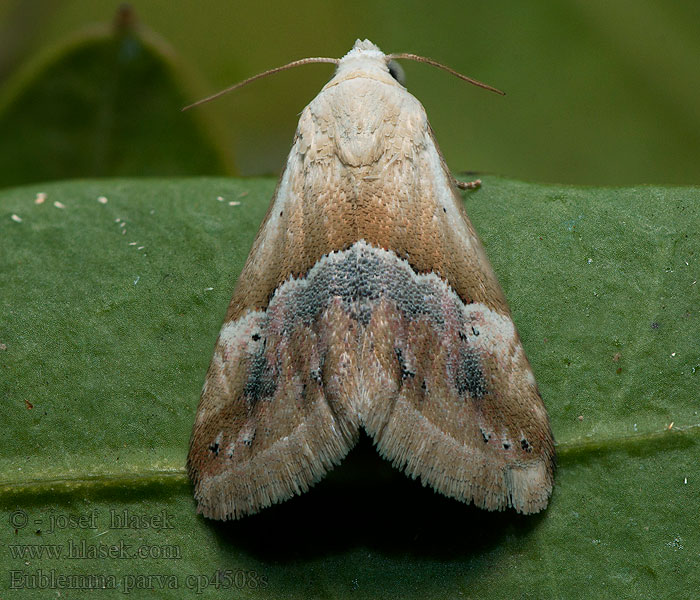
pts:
[105, 102]
[598, 92]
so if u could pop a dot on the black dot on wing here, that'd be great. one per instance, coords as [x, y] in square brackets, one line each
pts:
[405, 371]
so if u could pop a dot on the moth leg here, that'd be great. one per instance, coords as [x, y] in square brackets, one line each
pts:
[468, 185]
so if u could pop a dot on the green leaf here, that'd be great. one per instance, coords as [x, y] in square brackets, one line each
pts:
[109, 316]
[106, 102]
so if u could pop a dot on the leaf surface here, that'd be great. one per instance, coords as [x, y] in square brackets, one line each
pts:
[109, 313]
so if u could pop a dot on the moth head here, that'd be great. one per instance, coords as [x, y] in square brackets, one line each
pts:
[366, 49]
[367, 60]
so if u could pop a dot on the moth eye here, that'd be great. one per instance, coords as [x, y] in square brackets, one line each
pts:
[397, 72]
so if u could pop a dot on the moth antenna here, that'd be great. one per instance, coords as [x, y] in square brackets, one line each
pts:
[240, 84]
[435, 63]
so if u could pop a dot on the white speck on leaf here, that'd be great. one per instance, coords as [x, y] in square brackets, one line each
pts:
[16, 218]
[102, 200]
[40, 198]
[676, 543]
[58, 204]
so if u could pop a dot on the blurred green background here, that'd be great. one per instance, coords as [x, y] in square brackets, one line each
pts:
[598, 92]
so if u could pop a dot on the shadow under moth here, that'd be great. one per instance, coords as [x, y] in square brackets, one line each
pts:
[367, 301]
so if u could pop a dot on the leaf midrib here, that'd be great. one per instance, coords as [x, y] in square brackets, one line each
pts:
[570, 451]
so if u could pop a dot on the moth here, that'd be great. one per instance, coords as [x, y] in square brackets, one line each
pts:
[368, 302]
